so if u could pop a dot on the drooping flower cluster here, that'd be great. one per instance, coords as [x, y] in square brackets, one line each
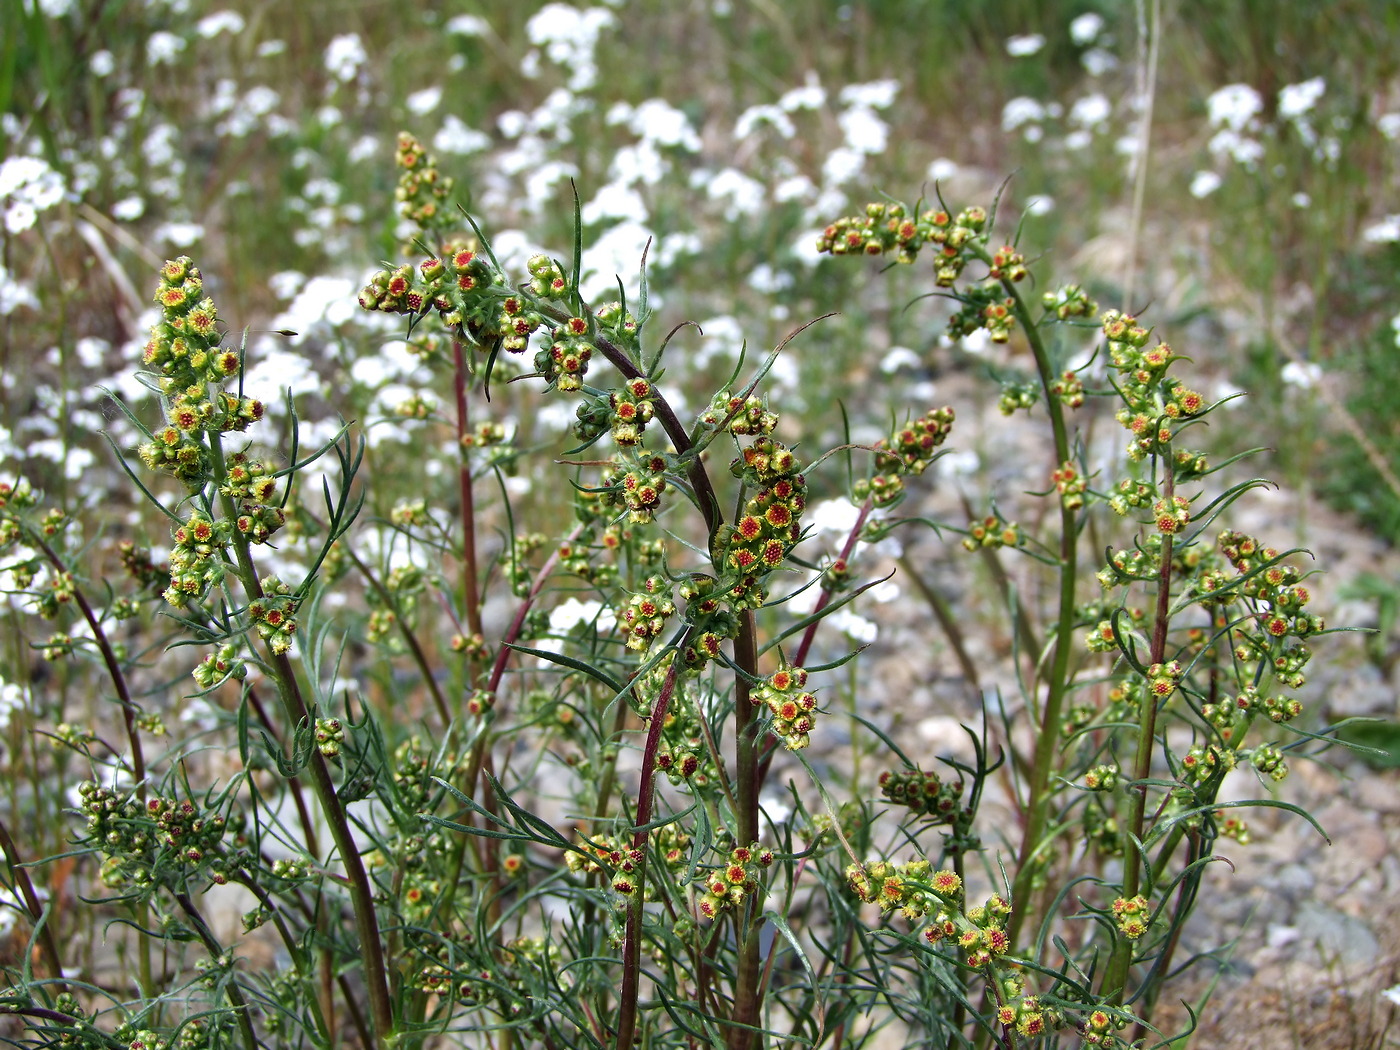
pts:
[907, 451]
[924, 792]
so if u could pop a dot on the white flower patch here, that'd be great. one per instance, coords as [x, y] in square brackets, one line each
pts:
[1387, 231]
[102, 63]
[1085, 29]
[616, 200]
[742, 195]
[180, 235]
[1297, 100]
[540, 183]
[794, 188]
[211, 26]
[319, 302]
[274, 369]
[1243, 150]
[1204, 183]
[842, 165]
[774, 117]
[91, 351]
[864, 132]
[28, 186]
[421, 103]
[455, 137]
[899, 358]
[1097, 61]
[1234, 106]
[617, 254]
[568, 38]
[129, 209]
[810, 96]
[1303, 374]
[656, 120]
[877, 94]
[640, 163]
[467, 25]
[1023, 112]
[1091, 112]
[163, 48]
[1024, 44]
[344, 56]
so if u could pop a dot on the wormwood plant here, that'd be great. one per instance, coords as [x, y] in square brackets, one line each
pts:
[463, 805]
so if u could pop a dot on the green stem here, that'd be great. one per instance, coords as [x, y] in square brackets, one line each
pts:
[19, 877]
[749, 975]
[294, 707]
[216, 951]
[646, 796]
[109, 658]
[1119, 963]
[1038, 792]
[471, 592]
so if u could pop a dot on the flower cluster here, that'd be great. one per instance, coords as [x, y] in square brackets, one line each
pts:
[143, 842]
[565, 361]
[1071, 484]
[992, 532]
[1132, 916]
[272, 615]
[923, 792]
[887, 228]
[605, 855]
[630, 410]
[741, 416]
[784, 693]
[770, 524]
[644, 616]
[637, 483]
[422, 192]
[729, 886]
[1151, 398]
[183, 352]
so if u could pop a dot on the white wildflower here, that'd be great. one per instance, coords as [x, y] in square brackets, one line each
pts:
[1234, 106]
[1303, 374]
[468, 25]
[877, 94]
[1024, 44]
[1296, 100]
[344, 56]
[423, 102]
[1091, 111]
[1085, 29]
[1387, 231]
[1021, 111]
[455, 137]
[1204, 183]
[211, 26]
[162, 48]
